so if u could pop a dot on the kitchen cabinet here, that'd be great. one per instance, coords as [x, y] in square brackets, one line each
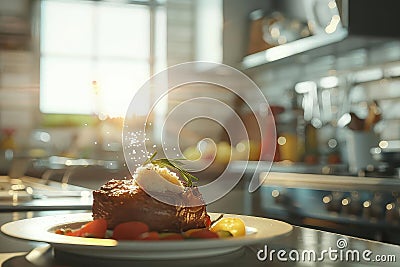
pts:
[16, 56]
[15, 25]
[340, 55]
[336, 27]
[19, 67]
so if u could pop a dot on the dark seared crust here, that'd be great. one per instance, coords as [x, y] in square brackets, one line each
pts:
[122, 200]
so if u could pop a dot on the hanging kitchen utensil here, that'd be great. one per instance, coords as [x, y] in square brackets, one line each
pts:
[355, 124]
[256, 41]
[374, 115]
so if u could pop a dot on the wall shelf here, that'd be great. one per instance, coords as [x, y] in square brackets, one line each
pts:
[290, 49]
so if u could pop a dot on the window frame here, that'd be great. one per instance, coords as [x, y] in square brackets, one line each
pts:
[153, 6]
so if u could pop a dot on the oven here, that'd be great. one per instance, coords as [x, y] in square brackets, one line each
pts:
[365, 207]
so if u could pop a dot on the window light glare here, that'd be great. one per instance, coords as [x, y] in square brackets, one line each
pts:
[281, 140]
[305, 87]
[329, 82]
[383, 144]
[332, 26]
[332, 4]
[100, 73]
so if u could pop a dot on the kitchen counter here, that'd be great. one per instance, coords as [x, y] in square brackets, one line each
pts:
[257, 167]
[329, 182]
[29, 193]
[301, 240]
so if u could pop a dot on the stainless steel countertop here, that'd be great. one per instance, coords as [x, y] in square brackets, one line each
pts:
[40, 194]
[12, 251]
[287, 167]
[329, 182]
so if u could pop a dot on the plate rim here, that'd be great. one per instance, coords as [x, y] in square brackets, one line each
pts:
[45, 223]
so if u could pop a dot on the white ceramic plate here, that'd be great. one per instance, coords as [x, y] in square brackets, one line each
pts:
[259, 230]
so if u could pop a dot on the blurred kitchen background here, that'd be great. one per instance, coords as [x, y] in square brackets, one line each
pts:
[329, 70]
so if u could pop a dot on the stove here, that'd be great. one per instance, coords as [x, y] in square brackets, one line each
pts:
[381, 170]
[29, 193]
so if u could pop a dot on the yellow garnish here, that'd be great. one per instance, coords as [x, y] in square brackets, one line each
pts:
[233, 225]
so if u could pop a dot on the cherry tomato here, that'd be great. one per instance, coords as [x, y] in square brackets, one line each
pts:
[208, 221]
[96, 228]
[188, 233]
[203, 233]
[148, 236]
[129, 230]
[233, 225]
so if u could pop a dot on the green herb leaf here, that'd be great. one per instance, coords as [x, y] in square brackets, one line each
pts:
[173, 164]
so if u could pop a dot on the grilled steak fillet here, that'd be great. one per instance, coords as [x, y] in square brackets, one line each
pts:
[123, 200]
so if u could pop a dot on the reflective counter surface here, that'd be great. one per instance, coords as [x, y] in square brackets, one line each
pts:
[302, 247]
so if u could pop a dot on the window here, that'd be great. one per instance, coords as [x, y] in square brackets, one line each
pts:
[96, 54]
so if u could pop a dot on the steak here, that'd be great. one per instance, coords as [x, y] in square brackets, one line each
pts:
[120, 201]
